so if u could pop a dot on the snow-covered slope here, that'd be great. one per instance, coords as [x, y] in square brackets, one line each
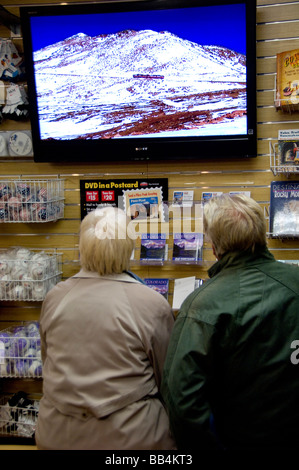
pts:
[87, 86]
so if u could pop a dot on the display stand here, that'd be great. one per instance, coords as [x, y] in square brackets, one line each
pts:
[27, 275]
[31, 200]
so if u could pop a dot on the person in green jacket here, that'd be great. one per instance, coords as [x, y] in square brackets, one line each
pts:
[231, 376]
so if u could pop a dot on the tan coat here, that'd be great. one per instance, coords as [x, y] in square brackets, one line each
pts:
[104, 341]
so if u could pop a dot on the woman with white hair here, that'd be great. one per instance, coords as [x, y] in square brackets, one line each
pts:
[104, 339]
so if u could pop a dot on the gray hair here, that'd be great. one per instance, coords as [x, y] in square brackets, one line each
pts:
[234, 223]
[105, 243]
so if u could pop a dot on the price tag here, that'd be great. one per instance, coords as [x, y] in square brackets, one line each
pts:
[92, 196]
[107, 196]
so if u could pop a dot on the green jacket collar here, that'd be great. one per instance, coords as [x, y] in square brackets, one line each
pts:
[241, 259]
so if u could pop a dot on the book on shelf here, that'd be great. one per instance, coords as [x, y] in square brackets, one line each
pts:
[288, 153]
[159, 285]
[187, 247]
[287, 80]
[153, 247]
[288, 149]
[284, 209]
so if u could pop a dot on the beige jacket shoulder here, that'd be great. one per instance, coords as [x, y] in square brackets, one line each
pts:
[104, 342]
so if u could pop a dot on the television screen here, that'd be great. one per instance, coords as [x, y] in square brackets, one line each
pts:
[148, 80]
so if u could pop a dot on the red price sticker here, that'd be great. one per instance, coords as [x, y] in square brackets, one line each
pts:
[107, 196]
[92, 196]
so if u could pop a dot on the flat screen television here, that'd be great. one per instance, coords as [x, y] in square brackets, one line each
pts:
[141, 80]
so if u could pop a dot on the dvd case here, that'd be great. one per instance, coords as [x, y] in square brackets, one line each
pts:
[159, 285]
[187, 247]
[153, 247]
[284, 209]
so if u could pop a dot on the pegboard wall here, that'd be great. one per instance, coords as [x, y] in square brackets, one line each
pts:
[277, 30]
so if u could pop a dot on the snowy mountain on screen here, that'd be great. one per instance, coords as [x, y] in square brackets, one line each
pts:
[120, 84]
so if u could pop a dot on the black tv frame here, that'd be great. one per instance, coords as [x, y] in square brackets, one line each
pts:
[142, 149]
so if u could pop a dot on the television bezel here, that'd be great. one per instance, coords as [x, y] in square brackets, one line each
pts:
[142, 149]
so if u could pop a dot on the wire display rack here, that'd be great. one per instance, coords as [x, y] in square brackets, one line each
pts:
[28, 275]
[31, 200]
[18, 415]
[20, 351]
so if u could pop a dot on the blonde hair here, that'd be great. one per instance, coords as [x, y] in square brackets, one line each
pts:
[234, 223]
[105, 243]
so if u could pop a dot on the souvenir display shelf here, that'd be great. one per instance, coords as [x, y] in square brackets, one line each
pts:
[31, 200]
[20, 351]
[27, 275]
[18, 416]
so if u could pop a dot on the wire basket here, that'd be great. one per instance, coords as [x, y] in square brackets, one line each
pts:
[28, 275]
[20, 351]
[31, 200]
[18, 415]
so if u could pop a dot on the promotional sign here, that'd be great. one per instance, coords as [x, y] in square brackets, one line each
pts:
[140, 198]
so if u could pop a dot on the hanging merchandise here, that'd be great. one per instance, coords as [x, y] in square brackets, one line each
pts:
[18, 415]
[16, 106]
[10, 61]
[27, 275]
